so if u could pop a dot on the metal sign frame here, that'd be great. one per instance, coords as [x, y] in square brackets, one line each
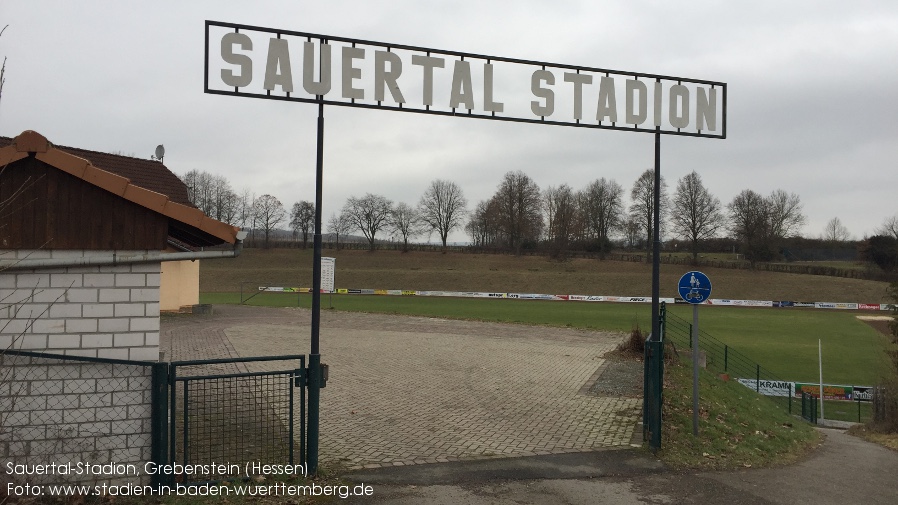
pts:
[316, 374]
[464, 56]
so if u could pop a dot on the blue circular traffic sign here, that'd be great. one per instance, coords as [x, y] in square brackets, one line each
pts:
[694, 287]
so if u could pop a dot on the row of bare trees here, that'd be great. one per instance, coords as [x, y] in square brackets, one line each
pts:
[441, 209]
[520, 215]
[214, 195]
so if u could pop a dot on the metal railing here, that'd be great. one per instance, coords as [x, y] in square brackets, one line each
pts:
[809, 406]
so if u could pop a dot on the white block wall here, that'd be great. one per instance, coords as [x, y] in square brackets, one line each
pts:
[104, 311]
[70, 412]
[54, 411]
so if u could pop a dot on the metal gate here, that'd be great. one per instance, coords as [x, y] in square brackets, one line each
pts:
[226, 414]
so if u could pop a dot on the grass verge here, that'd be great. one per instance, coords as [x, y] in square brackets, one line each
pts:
[737, 427]
[888, 440]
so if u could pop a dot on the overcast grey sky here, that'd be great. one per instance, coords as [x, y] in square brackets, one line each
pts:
[812, 96]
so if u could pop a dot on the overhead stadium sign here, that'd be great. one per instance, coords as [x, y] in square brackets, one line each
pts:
[277, 64]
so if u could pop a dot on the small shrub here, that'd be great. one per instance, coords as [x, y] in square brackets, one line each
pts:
[885, 407]
[634, 345]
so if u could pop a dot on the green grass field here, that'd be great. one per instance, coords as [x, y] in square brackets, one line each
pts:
[521, 274]
[783, 341]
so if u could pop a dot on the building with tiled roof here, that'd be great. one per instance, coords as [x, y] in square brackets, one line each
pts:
[149, 174]
[111, 209]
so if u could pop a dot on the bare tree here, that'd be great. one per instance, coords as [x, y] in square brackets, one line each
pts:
[835, 231]
[749, 224]
[889, 227]
[3, 69]
[369, 214]
[224, 200]
[302, 218]
[269, 213]
[602, 208]
[785, 217]
[192, 180]
[560, 206]
[632, 232]
[244, 209]
[518, 202]
[442, 208]
[642, 207]
[338, 225]
[213, 195]
[231, 208]
[696, 212]
[406, 221]
[483, 226]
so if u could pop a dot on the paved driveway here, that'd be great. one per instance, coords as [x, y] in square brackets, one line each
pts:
[408, 390]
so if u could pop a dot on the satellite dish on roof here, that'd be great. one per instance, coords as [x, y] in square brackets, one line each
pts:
[160, 152]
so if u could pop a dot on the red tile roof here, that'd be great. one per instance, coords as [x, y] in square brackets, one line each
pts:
[148, 174]
[187, 224]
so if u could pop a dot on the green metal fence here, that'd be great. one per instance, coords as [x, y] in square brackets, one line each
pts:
[809, 405]
[723, 359]
[237, 411]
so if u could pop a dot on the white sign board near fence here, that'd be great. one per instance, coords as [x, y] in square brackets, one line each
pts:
[328, 268]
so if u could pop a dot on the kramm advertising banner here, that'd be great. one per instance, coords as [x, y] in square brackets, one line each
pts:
[769, 388]
[830, 391]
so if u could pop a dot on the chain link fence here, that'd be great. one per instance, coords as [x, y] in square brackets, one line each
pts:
[70, 409]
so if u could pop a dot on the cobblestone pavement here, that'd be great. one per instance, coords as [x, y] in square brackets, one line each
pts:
[408, 390]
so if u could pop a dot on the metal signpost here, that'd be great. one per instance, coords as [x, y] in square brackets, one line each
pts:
[276, 64]
[695, 288]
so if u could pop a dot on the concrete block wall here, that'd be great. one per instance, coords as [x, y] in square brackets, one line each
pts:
[102, 311]
[67, 411]
[73, 414]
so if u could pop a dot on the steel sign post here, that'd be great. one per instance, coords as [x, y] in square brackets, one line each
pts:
[695, 288]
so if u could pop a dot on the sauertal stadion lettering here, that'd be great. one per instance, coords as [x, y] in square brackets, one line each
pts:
[295, 66]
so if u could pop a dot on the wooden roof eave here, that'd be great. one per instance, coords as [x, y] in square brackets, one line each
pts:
[30, 142]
